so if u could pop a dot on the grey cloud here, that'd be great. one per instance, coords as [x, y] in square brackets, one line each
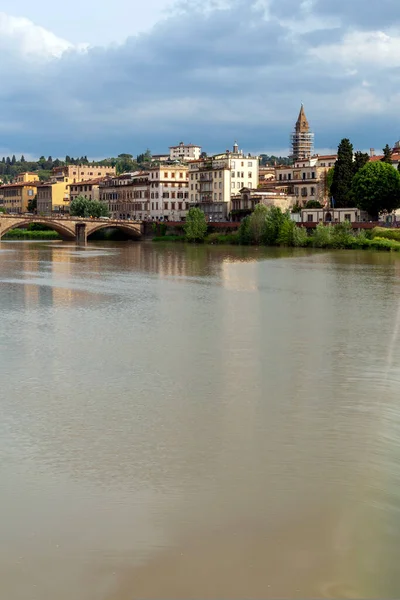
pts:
[205, 77]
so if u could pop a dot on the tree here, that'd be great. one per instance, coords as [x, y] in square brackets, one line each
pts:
[32, 205]
[387, 155]
[360, 159]
[313, 204]
[343, 175]
[274, 220]
[257, 223]
[195, 225]
[22, 159]
[82, 207]
[376, 188]
[13, 160]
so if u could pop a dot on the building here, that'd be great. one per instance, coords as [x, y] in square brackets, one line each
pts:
[126, 196]
[17, 195]
[302, 140]
[184, 152]
[75, 174]
[245, 202]
[307, 179]
[169, 192]
[87, 189]
[51, 197]
[334, 215]
[214, 180]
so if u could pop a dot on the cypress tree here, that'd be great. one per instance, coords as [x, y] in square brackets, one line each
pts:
[360, 159]
[387, 154]
[343, 175]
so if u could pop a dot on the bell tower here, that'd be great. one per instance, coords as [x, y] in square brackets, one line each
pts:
[302, 139]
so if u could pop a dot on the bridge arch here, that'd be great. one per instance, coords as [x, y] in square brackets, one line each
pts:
[65, 232]
[131, 230]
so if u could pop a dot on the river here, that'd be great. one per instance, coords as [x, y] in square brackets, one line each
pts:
[198, 422]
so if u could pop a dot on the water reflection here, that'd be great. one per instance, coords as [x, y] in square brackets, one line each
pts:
[226, 415]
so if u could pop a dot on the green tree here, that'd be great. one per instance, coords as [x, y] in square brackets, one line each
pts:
[273, 223]
[360, 159]
[387, 155]
[82, 207]
[313, 204]
[257, 223]
[32, 205]
[195, 225]
[376, 188]
[343, 175]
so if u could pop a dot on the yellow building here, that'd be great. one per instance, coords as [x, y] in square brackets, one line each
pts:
[17, 195]
[88, 189]
[51, 197]
[74, 174]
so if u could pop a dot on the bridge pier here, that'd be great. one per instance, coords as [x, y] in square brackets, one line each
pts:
[81, 233]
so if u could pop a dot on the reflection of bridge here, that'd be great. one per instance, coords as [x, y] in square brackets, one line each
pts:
[70, 228]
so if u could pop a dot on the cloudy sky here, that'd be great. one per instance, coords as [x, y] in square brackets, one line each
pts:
[101, 78]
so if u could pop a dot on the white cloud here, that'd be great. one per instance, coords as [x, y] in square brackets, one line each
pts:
[30, 41]
[371, 48]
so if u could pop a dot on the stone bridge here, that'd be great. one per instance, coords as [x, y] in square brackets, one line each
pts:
[70, 228]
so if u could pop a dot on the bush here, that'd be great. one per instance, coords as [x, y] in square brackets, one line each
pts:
[322, 236]
[389, 234]
[342, 235]
[273, 223]
[301, 239]
[221, 238]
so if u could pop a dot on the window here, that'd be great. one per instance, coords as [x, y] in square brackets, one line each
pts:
[250, 174]
[304, 175]
[179, 205]
[172, 205]
[215, 185]
[186, 194]
[166, 205]
[233, 164]
[312, 192]
[242, 164]
[156, 205]
[220, 185]
[289, 176]
[152, 195]
[220, 196]
[191, 197]
[233, 185]
[173, 175]
[304, 192]
[238, 173]
[215, 196]
[191, 186]
[156, 194]
[165, 195]
[280, 176]
[30, 192]
[166, 175]
[239, 185]
[180, 175]
[249, 164]
[152, 206]
[310, 218]
[313, 175]
[172, 194]
[347, 217]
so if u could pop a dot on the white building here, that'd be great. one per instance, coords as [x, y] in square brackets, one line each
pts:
[168, 192]
[184, 152]
[213, 180]
[306, 179]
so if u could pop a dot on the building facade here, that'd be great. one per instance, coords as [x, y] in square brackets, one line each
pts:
[214, 180]
[245, 202]
[87, 189]
[75, 174]
[169, 192]
[307, 179]
[50, 198]
[331, 215]
[16, 196]
[184, 152]
[126, 196]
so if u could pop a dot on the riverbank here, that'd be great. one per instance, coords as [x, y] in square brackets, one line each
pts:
[340, 236]
[25, 234]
